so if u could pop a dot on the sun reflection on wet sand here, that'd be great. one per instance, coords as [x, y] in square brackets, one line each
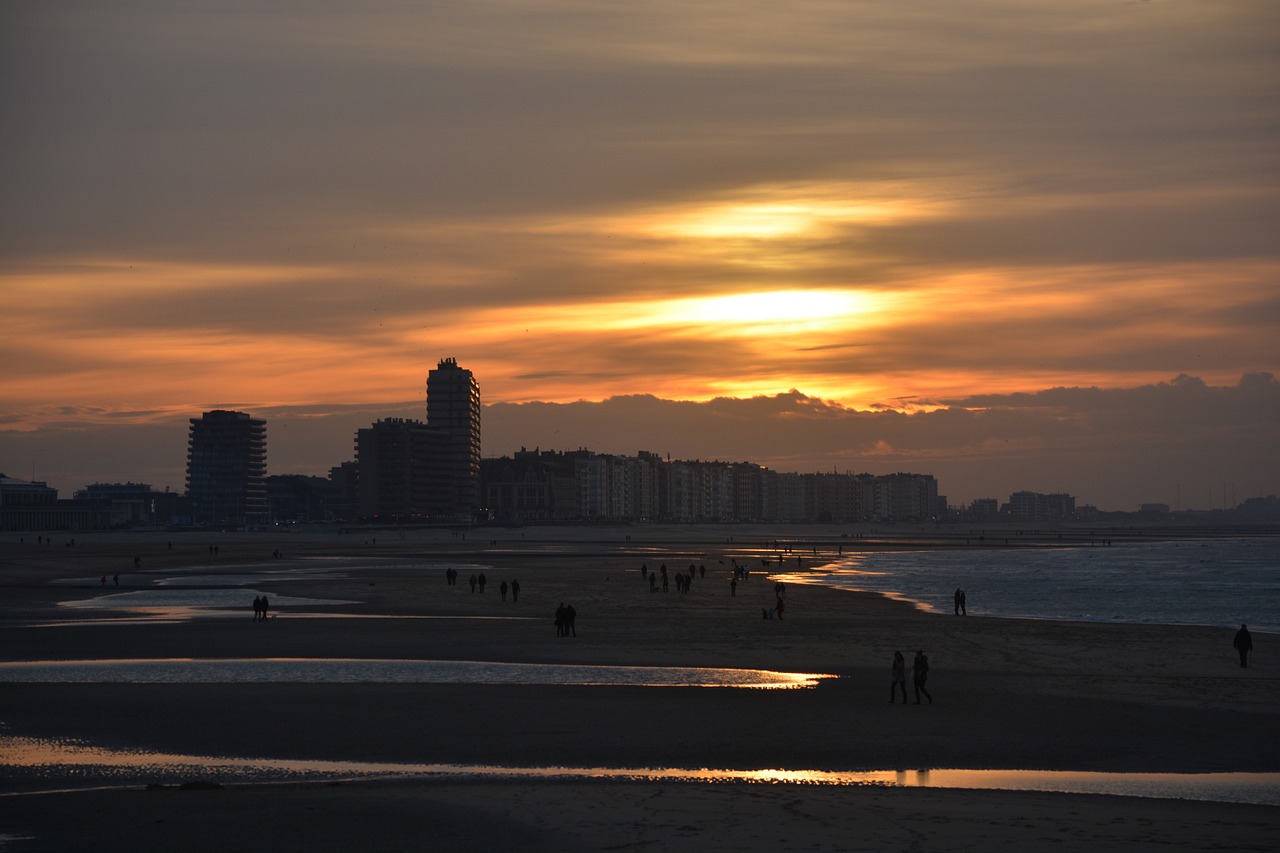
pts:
[175, 615]
[30, 763]
[361, 670]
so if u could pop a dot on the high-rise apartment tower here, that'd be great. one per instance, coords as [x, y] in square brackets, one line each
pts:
[453, 413]
[227, 469]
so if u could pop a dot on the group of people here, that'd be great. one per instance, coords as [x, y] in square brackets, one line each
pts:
[565, 619]
[684, 580]
[919, 675]
[479, 581]
[260, 608]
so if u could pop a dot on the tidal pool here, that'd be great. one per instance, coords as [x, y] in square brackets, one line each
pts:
[360, 670]
[36, 766]
[237, 598]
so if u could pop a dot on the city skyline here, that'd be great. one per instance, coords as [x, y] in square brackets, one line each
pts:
[653, 421]
[1013, 245]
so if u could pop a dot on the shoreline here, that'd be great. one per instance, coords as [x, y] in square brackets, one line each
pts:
[1009, 693]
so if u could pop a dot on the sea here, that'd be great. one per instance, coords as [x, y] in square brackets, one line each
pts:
[1223, 582]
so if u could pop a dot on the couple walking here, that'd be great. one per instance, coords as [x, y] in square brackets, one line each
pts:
[919, 675]
[260, 607]
[565, 617]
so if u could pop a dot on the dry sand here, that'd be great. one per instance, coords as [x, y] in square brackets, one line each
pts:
[1008, 694]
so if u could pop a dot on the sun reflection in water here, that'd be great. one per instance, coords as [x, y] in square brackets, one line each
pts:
[392, 671]
[44, 763]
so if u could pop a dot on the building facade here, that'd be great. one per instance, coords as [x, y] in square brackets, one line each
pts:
[536, 486]
[394, 471]
[453, 413]
[227, 469]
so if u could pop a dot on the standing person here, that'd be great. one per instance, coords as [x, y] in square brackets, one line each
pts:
[1243, 644]
[483, 580]
[257, 608]
[899, 677]
[515, 591]
[503, 589]
[957, 600]
[560, 618]
[963, 611]
[920, 674]
[570, 618]
[265, 607]
[472, 581]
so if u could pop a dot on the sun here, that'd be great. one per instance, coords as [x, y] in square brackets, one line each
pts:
[775, 307]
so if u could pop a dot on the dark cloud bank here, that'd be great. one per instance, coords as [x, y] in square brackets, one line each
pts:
[1181, 442]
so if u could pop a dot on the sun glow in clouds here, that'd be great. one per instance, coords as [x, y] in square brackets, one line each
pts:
[772, 308]
[773, 212]
[777, 312]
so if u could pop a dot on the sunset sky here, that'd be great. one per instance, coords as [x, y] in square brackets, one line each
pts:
[1019, 245]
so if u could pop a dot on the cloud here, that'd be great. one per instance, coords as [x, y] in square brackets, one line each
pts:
[1115, 447]
[305, 204]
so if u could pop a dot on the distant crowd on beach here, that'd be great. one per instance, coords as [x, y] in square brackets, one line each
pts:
[663, 578]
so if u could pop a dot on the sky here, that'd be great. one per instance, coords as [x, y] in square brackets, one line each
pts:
[1017, 244]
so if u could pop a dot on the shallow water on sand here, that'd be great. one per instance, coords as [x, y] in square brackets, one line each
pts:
[33, 766]
[363, 671]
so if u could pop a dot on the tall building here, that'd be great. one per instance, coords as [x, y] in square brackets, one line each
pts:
[227, 469]
[453, 414]
[393, 470]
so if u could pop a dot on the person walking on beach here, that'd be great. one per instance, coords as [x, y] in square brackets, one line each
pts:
[482, 581]
[515, 591]
[957, 600]
[1243, 644]
[503, 589]
[899, 677]
[920, 674]
[560, 618]
[257, 608]
[570, 617]
[472, 581]
[963, 610]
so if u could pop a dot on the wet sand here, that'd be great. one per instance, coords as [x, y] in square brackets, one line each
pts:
[1008, 694]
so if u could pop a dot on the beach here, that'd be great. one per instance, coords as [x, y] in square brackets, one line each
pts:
[1008, 694]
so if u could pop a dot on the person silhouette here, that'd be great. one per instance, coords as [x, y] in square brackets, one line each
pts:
[920, 674]
[257, 608]
[515, 591]
[503, 589]
[265, 607]
[899, 673]
[1243, 644]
